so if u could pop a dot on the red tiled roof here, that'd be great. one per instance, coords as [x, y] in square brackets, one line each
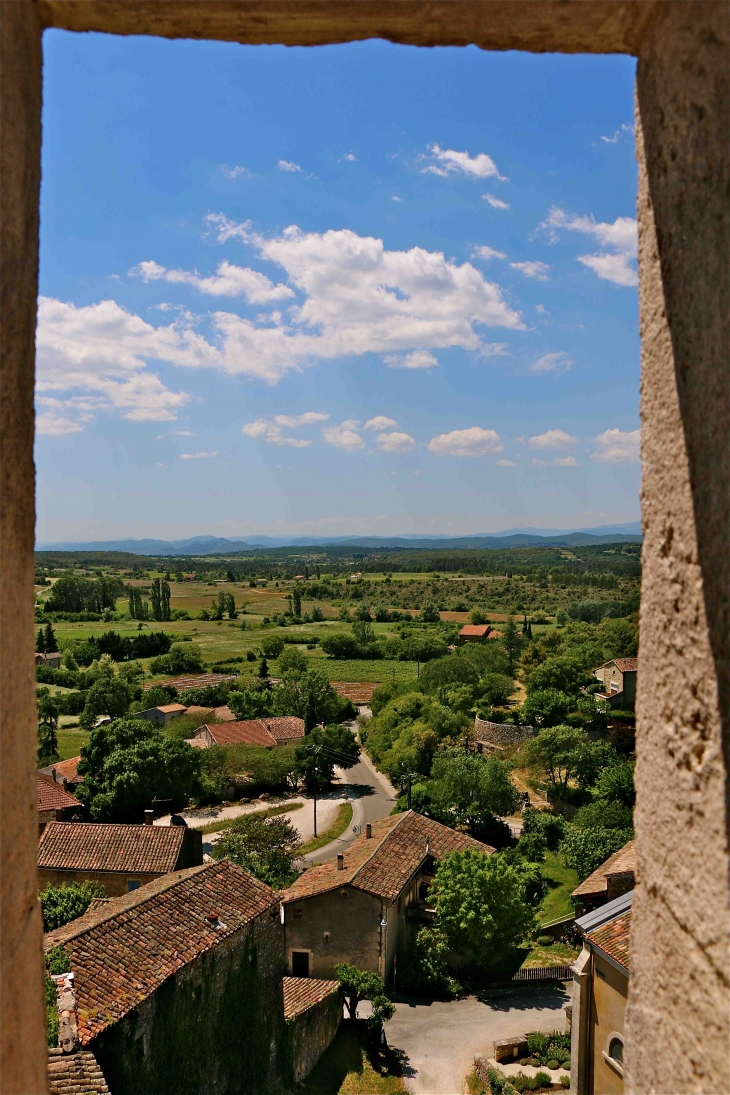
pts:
[248, 732]
[75, 1074]
[383, 864]
[355, 691]
[302, 993]
[169, 708]
[200, 680]
[475, 630]
[51, 796]
[64, 769]
[626, 665]
[224, 714]
[287, 728]
[621, 862]
[614, 939]
[84, 846]
[122, 952]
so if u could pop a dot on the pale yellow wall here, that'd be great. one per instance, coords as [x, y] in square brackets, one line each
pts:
[608, 1009]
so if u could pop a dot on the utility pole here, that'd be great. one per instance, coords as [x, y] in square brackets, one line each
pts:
[409, 790]
[315, 796]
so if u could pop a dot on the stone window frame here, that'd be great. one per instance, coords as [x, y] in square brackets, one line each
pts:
[679, 945]
[611, 1061]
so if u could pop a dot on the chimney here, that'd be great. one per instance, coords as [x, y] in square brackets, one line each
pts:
[149, 816]
[340, 861]
[368, 831]
[68, 1029]
[53, 774]
[59, 815]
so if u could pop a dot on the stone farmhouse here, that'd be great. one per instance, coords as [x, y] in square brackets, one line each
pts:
[54, 802]
[618, 678]
[51, 660]
[163, 713]
[600, 992]
[359, 907]
[268, 733]
[178, 985]
[121, 858]
[615, 877]
[478, 633]
[65, 773]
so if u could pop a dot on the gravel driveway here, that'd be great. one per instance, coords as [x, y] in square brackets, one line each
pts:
[440, 1040]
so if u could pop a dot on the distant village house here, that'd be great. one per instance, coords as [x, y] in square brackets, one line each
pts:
[618, 678]
[55, 803]
[268, 733]
[478, 633]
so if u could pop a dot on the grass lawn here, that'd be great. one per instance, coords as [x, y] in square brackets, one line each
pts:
[272, 811]
[558, 954]
[70, 742]
[561, 881]
[342, 820]
[351, 1066]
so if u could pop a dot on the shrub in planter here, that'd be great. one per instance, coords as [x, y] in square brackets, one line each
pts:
[537, 1042]
[553, 1064]
[543, 1079]
[524, 1061]
[533, 1061]
[565, 1081]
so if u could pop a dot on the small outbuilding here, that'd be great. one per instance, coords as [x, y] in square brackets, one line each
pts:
[268, 733]
[162, 714]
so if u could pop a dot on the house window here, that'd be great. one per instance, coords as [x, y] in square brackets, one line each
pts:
[300, 963]
[133, 884]
[298, 913]
[613, 1054]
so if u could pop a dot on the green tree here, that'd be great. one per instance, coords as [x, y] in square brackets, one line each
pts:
[129, 763]
[562, 674]
[496, 688]
[265, 846]
[160, 595]
[555, 754]
[107, 696]
[615, 783]
[430, 614]
[360, 985]
[182, 658]
[512, 643]
[477, 617]
[49, 639]
[547, 708]
[297, 601]
[323, 750]
[47, 727]
[482, 906]
[273, 646]
[40, 642]
[60, 904]
[472, 788]
[292, 662]
[586, 849]
[263, 669]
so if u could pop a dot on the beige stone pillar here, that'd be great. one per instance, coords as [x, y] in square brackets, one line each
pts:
[677, 1018]
[22, 1030]
[580, 1024]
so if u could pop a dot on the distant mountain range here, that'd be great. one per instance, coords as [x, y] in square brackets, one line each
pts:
[217, 545]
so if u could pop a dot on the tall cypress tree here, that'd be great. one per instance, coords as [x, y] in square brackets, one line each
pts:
[49, 639]
[40, 642]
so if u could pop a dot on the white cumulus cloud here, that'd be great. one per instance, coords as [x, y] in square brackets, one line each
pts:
[553, 439]
[289, 165]
[496, 203]
[229, 281]
[506, 463]
[473, 441]
[532, 269]
[344, 436]
[417, 359]
[616, 262]
[198, 455]
[395, 442]
[617, 446]
[235, 171]
[380, 422]
[551, 363]
[450, 162]
[272, 430]
[560, 461]
[487, 253]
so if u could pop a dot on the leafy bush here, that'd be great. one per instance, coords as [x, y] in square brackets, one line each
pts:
[543, 1079]
[183, 658]
[422, 966]
[60, 904]
[159, 695]
[57, 962]
[586, 849]
[265, 846]
[551, 826]
[272, 646]
[214, 695]
[537, 1043]
[553, 1064]
[565, 1081]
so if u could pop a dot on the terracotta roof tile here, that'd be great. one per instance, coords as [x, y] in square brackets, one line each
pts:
[302, 993]
[51, 796]
[626, 665]
[475, 630]
[621, 862]
[123, 951]
[614, 939]
[64, 769]
[76, 1073]
[248, 732]
[84, 846]
[383, 864]
[288, 728]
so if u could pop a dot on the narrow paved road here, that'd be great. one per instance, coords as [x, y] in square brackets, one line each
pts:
[372, 797]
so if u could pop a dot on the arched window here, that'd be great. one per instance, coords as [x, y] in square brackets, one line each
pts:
[613, 1054]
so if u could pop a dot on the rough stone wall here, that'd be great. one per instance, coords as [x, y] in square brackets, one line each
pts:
[678, 994]
[501, 733]
[115, 883]
[312, 1032]
[216, 1027]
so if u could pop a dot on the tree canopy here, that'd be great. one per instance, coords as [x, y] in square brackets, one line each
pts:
[265, 846]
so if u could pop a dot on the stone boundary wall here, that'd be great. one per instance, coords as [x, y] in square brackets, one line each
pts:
[502, 733]
[311, 1032]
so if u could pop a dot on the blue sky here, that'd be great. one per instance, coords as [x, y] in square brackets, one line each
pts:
[354, 289]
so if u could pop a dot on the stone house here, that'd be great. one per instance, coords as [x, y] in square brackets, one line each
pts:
[477, 633]
[618, 678]
[359, 908]
[53, 660]
[264, 732]
[600, 992]
[65, 773]
[178, 985]
[163, 713]
[121, 858]
[615, 877]
[54, 802]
